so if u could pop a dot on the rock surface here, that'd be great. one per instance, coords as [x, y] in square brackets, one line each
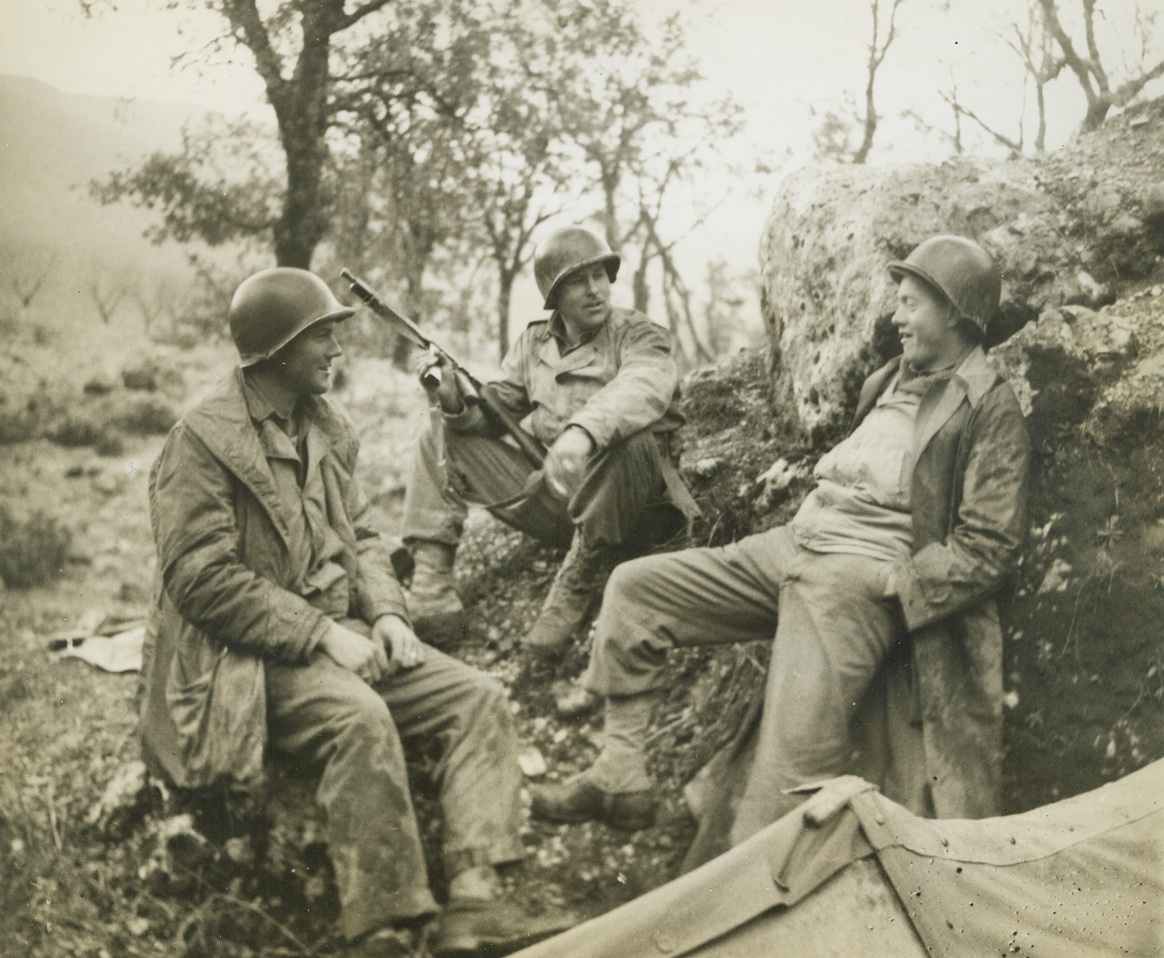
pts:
[1078, 228]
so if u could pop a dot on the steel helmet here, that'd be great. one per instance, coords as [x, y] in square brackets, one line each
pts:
[272, 307]
[961, 270]
[566, 251]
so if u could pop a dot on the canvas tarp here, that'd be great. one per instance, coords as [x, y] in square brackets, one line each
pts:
[1082, 877]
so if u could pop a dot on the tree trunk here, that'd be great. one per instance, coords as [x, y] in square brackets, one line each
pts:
[300, 105]
[870, 128]
[302, 125]
[504, 295]
[642, 292]
[1097, 110]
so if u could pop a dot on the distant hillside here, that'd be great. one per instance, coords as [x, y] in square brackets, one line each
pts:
[52, 144]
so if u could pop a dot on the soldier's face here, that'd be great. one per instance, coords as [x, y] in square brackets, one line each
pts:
[584, 300]
[927, 326]
[304, 365]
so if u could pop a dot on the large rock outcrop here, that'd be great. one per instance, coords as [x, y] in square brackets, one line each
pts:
[1079, 236]
[1076, 228]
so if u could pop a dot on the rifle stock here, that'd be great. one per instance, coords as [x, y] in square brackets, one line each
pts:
[472, 390]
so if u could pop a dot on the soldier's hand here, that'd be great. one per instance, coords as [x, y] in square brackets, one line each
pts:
[404, 649]
[365, 657]
[437, 375]
[566, 460]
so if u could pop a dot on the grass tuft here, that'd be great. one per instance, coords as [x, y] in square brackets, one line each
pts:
[33, 551]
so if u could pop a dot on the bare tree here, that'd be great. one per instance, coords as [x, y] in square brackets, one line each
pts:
[28, 270]
[1087, 64]
[959, 112]
[107, 291]
[832, 136]
[646, 127]
[884, 32]
[154, 300]
[1033, 44]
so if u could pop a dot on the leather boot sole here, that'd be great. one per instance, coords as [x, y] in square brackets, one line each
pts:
[492, 927]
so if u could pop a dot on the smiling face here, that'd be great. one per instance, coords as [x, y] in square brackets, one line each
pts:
[584, 301]
[927, 325]
[303, 366]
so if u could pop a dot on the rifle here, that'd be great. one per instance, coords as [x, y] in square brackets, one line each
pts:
[473, 392]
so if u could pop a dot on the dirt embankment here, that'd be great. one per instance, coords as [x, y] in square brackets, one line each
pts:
[1080, 236]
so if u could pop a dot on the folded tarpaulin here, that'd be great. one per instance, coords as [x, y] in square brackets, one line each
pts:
[1082, 877]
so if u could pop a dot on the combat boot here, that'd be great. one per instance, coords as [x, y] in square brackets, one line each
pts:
[438, 616]
[578, 800]
[578, 583]
[468, 927]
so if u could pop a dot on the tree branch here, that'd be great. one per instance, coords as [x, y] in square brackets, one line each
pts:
[359, 13]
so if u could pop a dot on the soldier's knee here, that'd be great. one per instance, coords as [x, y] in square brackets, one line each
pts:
[365, 716]
[490, 692]
[621, 582]
[629, 581]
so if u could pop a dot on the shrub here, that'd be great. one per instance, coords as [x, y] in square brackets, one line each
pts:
[16, 425]
[143, 378]
[33, 551]
[76, 429]
[148, 415]
[25, 419]
[110, 445]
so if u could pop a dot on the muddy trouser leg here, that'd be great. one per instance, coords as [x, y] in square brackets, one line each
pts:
[325, 717]
[622, 498]
[462, 715]
[451, 470]
[679, 599]
[675, 600]
[835, 631]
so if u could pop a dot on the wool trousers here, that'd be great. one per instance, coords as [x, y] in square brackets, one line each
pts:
[824, 613]
[329, 722]
[622, 499]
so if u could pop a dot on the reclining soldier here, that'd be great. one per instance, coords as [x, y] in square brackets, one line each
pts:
[897, 554]
[280, 623]
[599, 386]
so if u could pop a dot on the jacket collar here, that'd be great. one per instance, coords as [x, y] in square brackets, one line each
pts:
[972, 380]
[550, 348]
[977, 376]
[223, 422]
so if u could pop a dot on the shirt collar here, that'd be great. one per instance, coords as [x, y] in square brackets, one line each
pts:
[260, 405]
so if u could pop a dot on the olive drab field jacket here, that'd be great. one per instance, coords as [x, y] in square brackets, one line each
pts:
[968, 502]
[229, 597]
[619, 382]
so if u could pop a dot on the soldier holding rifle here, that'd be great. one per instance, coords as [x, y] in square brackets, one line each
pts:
[598, 387]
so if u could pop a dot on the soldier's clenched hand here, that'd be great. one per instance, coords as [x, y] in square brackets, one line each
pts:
[405, 650]
[566, 461]
[365, 657]
[438, 376]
